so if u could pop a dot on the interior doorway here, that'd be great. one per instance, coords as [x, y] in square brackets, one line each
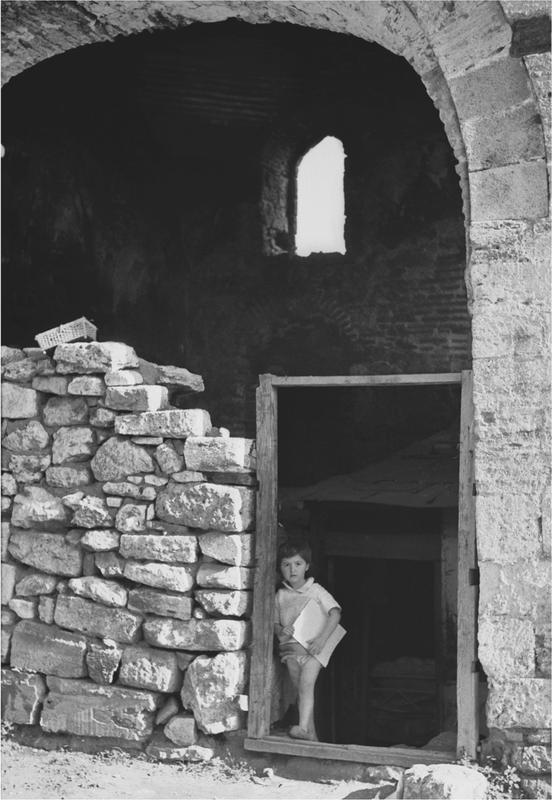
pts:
[386, 543]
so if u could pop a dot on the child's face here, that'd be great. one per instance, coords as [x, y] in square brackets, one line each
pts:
[293, 570]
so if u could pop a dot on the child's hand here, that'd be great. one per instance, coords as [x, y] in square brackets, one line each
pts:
[315, 645]
[288, 630]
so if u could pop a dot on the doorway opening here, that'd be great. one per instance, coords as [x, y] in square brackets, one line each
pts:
[370, 470]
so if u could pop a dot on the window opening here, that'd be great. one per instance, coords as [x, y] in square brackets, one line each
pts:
[320, 221]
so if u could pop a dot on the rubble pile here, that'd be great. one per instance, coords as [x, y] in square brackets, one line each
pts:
[127, 552]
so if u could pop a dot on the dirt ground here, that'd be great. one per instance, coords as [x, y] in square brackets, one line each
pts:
[41, 774]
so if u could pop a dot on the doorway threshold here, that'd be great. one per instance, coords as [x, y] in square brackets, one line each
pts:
[360, 754]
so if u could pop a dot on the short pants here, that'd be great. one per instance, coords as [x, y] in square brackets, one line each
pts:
[293, 650]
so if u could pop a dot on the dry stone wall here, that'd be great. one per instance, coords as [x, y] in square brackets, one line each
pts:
[127, 552]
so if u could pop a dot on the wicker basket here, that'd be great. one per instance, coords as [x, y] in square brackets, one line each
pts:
[69, 332]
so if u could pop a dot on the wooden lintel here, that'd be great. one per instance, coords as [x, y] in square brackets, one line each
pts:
[321, 381]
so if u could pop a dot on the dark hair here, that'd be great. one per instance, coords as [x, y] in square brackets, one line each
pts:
[295, 546]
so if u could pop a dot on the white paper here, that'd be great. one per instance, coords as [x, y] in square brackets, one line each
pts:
[310, 623]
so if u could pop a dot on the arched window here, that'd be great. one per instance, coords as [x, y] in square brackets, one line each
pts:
[320, 224]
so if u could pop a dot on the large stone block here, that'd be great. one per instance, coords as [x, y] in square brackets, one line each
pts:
[491, 88]
[68, 477]
[123, 377]
[517, 590]
[37, 507]
[20, 371]
[225, 603]
[444, 781]
[172, 424]
[519, 703]
[87, 385]
[49, 552]
[214, 635]
[504, 138]
[89, 709]
[131, 518]
[208, 506]
[22, 696]
[220, 576]
[28, 438]
[94, 619]
[165, 604]
[127, 489]
[175, 377]
[103, 661]
[100, 541]
[182, 549]
[516, 191]
[533, 760]
[161, 576]
[506, 647]
[51, 384]
[37, 647]
[92, 512]
[137, 398]
[147, 668]
[65, 411]
[168, 459]
[235, 549]
[10, 354]
[18, 402]
[218, 454]
[109, 593]
[508, 528]
[36, 583]
[23, 607]
[90, 357]
[73, 444]
[210, 688]
[116, 458]
[181, 730]
[28, 468]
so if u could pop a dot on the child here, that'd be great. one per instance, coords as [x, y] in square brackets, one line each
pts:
[294, 560]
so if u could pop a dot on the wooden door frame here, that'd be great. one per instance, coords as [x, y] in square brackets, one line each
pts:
[264, 584]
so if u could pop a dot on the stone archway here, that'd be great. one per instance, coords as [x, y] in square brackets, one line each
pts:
[491, 104]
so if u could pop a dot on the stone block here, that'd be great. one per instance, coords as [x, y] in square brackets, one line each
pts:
[37, 647]
[92, 512]
[440, 781]
[148, 668]
[28, 468]
[9, 578]
[20, 371]
[187, 476]
[73, 444]
[117, 458]
[161, 576]
[127, 489]
[516, 191]
[165, 604]
[225, 603]
[9, 485]
[490, 89]
[110, 564]
[504, 138]
[22, 696]
[235, 549]
[171, 549]
[171, 424]
[167, 710]
[519, 703]
[10, 354]
[197, 634]
[49, 552]
[36, 506]
[87, 385]
[131, 518]
[137, 398]
[168, 459]
[103, 660]
[18, 402]
[46, 608]
[152, 441]
[89, 357]
[181, 730]
[175, 377]
[209, 454]
[24, 608]
[68, 477]
[5, 539]
[109, 593]
[27, 438]
[51, 384]
[36, 583]
[220, 576]
[102, 417]
[65, 411]
[543, 653]
[123, 377]
[537, 787]
[533, 760]
[516, 590]
[230, 509]
[100, 541]
[72, 500]
[5, 640]
[114, 502]
[89, 709]
[506, 647]
[210, 688]
[98, 620]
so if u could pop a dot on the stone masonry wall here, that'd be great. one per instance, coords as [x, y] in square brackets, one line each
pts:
[127, 552]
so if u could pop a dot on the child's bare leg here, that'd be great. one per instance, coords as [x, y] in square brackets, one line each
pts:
[307, 680]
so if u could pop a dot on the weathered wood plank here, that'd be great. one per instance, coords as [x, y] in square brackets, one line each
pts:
[467, 679]
[265, 560]
[317, 381]
[395, 756]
